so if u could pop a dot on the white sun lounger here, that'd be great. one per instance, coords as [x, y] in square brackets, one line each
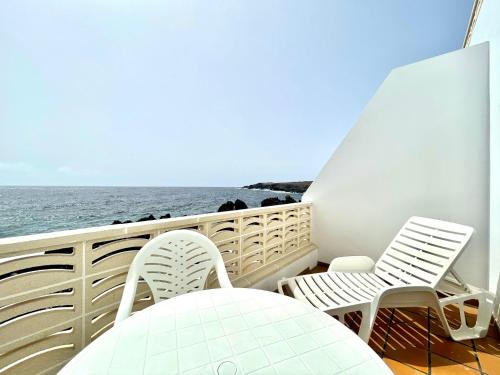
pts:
[407, 274]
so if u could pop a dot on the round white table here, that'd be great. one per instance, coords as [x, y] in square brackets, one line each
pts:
[228, 332]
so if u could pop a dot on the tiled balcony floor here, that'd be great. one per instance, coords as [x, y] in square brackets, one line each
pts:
[411, 342]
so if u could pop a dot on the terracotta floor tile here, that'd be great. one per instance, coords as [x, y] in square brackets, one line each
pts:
[405, 316]
[408, 335]
[493, 330]
[455, 351]
[438, 330]
[416, 310]
[433, 314]
[488, 345]
[319, 268]
[401, 369]
[452, 313]
[353, 321]
[443, 366]
[490, 364]
[470, 310]
[436, 338]
[384, 316]
[421, 311]
[377, 338]
[414, 357]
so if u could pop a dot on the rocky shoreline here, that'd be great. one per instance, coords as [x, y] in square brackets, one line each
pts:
[291, 187]
[238, 204]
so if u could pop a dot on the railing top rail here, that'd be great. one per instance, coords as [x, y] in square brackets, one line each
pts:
[11, 245]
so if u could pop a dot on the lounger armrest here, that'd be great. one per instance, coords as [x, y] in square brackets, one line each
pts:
[352, 264]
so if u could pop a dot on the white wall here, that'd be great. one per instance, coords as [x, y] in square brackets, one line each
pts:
[487, 28]
[419, 148]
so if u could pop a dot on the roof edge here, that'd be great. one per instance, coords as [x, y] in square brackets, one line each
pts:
[476, 8]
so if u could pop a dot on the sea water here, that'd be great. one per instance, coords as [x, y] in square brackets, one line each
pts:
[36, 209]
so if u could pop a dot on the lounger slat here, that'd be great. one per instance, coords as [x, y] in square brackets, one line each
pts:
[409, 269]
[409, 274]
[430, 257]
[309, 294]
[363, 286]
[344, 276]
[344, 290]
[374, 279]
[333, 287]
[425, 266]
[326, 288]
[367, 284]
[427, 247]
[435, 232]
[350, 288]
[316, 290]
[441, 225]
[368, 287]
[336, 291]
[297, 293]
[447, 245]
[391, 275]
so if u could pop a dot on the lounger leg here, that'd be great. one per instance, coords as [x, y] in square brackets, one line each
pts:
[280, 285]
[437, 308]
[367, 321]
[342, 318]
[485, 310]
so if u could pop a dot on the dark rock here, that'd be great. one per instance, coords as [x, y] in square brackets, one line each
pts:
[127, 221]
[228, 206]
[275, 201]
[271, 202]
[116, 222]
[166, 216]
[239, 205]
[147, 218]
[293, 187]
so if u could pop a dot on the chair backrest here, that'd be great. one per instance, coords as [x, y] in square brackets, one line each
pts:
[423, 252]
[176, 262]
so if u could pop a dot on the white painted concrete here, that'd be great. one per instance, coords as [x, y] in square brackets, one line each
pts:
[487, 29]
[419, 148]
[270, 283]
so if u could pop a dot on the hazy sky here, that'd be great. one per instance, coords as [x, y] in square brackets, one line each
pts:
[203, 93]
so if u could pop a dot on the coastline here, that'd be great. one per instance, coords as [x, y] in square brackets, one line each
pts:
[270, 190]
[281, 187]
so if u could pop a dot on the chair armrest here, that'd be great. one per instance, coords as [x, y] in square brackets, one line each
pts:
[352, 264]
[128, 297]
[222, 275]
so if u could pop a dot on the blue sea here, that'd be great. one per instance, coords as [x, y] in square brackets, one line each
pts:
[41, 209]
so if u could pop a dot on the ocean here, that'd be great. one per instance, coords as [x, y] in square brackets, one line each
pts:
[41, 209]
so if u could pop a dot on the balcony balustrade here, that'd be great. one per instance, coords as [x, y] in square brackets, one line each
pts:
[60, 291]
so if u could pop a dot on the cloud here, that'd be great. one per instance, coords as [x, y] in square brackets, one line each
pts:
[16, 166]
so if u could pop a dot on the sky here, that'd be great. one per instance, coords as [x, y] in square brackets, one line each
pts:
[198, 93]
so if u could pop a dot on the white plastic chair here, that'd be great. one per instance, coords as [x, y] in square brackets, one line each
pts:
[408, 273]
[173, 263]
